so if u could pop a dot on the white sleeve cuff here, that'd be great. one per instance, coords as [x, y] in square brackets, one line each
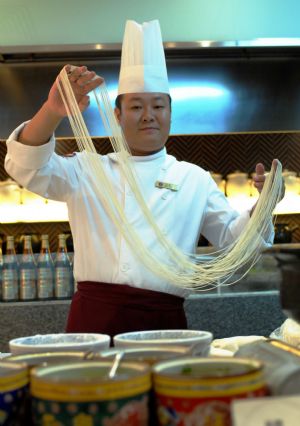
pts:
[26, 156]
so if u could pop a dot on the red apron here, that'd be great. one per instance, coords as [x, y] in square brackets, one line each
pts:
[119, 308]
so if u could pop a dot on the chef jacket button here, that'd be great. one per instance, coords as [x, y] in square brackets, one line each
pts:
[164, 197]
[124, 267]
[164, 169]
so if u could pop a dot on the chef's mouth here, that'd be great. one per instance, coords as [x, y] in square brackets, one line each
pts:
[148, 128]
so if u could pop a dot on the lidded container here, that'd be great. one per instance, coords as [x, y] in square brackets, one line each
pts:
[10, 192]
[149, 355]
[237, 183]
[83, 393]
[217, 177]
[30, 198]
[13, 384]
[190, 389]
[49, 358]
[291, 182]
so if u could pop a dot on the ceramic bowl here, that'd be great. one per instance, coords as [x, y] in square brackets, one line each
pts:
[63, 342]
[198, 341]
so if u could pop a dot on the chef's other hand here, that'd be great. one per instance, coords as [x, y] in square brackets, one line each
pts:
[259, 177]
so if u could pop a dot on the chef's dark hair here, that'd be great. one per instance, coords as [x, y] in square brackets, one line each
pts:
[118, 101]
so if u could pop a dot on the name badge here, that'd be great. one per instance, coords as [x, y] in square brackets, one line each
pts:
[171, 186]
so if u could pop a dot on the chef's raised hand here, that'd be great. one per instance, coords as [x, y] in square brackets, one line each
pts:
[82, 81]
[41, 127]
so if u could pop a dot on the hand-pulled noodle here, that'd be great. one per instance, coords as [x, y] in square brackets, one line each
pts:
[190, 271]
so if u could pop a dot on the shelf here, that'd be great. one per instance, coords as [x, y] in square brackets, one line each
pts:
[52, 211]
[290, 204]
[20, 303]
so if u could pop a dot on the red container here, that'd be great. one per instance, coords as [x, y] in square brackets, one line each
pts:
[199, 391]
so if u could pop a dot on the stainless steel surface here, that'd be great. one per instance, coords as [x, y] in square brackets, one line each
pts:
[201, 44]
[213, 90]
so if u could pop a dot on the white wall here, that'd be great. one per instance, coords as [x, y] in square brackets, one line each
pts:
[30, 22]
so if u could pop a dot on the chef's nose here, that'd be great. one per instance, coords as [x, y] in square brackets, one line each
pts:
[147, 115]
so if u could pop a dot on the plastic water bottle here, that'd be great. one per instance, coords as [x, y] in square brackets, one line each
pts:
[10, 282]
[64, 287]
[45, 271]
[27, 272]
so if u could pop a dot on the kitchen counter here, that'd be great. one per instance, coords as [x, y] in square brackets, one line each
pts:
[251, 306]
[225, 315]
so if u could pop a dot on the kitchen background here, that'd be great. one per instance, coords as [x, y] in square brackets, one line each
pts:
[234, 76]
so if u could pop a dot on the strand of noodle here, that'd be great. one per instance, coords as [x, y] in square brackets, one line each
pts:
[209, 273]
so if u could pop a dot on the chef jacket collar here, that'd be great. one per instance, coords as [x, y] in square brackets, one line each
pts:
[143, 158]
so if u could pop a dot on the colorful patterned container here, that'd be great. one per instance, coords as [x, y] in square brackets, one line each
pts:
[194, 391]
[83, 394]
[13, 385]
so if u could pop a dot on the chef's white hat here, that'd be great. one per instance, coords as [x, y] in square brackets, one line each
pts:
[143, 64]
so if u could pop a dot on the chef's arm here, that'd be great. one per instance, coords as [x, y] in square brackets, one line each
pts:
[40, 128]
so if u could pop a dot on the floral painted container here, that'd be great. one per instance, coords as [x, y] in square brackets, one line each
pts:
[82, 394]
[199, 391]
[13, 387]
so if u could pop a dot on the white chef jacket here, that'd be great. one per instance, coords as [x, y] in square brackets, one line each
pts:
[100, 252]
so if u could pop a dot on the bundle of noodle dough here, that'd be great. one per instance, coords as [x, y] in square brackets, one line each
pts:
[190, 271]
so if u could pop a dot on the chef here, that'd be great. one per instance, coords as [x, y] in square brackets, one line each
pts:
[116, 292]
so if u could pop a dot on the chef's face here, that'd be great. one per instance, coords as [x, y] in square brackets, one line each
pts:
[145, 119]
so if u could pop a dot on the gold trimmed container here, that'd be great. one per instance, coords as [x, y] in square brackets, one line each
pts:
[148, 355]
[49, 358]
[190, 389]
[83, 393]
[13, 385]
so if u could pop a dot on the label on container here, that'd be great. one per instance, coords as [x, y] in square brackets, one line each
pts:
[131, 411]
[27, 284]
[63, 282]
[45, 283]
[10, 284]
[271, 411]
[181, 411]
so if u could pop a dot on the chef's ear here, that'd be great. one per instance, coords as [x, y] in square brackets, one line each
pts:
[117, 114]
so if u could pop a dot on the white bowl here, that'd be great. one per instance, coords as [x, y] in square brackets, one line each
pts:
[198, 341]
[63, 342]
